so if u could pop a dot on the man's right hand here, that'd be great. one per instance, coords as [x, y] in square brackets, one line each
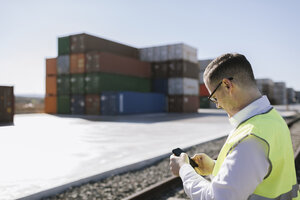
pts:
[205, 163]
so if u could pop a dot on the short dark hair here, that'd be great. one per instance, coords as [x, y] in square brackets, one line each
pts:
[230, 65]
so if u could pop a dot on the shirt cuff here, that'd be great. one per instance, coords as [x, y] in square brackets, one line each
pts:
[185, 169]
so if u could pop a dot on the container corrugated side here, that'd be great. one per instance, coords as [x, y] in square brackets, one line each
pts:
[203, 91]
[78, 104]
[182, 68]
[63, 64]
[182, 52]
[95, 83]
[51, 89]
[77, 63]
[118, 103]
[183, 103]
[92, 104]
[77, 82]
[280, 95]
[51, 104]
[63, 104]
[110, 63]
[63, 84]
[266, 87]
[160, 69]
[147, 54]
[51, 66]
[7, 104]
[183, 86]
[201, 79]
[63, 45]
[169, 52]
[160, 86]
[83, 43]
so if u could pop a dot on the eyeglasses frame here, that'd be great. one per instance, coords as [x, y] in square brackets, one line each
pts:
[219, 84]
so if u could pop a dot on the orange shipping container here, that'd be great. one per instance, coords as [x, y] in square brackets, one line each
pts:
[50, 104]
[51, 66]
[77, 63]
[115, 64]
[51, 89]
[203, 92]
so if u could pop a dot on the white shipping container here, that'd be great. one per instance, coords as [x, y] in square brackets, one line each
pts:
[143, 54]
[183, 86]
[164, 53]
[156, 54]
[189, 53]
[169, 52]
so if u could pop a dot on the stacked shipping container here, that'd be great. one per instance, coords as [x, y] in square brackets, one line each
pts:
[266, 87]
[51, 88]
[175, 73]
[88, 66]
[203, 92]
[7, 104]
[291, 96]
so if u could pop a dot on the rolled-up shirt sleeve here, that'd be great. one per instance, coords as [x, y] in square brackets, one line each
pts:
[241, 172]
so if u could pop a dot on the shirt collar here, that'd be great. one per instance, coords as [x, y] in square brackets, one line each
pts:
[257, 107]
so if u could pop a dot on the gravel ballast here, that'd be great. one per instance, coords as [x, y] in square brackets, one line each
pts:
[123, 185]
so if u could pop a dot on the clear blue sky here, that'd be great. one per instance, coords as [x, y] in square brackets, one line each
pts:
[266, 31]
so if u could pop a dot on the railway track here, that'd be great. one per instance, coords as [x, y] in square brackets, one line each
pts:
[158, 190]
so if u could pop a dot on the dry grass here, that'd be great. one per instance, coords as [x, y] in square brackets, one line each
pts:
[29, 105]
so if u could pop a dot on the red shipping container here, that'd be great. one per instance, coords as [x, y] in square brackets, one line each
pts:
[51, 66]
[203, 92]
[183, 103]
[51, 89]
[92, 104]
[77, 63]
[115, 64]
[50, 104]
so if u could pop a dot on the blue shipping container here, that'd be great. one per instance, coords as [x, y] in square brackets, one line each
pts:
[160, 86]
[77, 104]
[118, 103]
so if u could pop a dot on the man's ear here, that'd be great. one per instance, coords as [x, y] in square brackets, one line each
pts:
[227, 83]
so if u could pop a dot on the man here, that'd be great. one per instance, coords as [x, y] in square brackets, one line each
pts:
[257, 161]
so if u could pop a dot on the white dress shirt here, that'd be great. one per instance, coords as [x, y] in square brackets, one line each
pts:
[242, 170]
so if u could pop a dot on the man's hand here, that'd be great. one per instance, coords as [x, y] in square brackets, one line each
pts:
[177, 161]
[205, 163]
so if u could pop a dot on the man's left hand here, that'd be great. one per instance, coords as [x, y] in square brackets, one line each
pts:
[176, 162]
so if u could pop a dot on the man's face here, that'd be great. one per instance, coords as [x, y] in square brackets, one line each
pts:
[222, 95]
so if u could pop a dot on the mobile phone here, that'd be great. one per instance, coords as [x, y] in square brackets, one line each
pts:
[178, 151]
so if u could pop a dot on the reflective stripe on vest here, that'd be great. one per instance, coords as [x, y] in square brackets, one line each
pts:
[287, 196]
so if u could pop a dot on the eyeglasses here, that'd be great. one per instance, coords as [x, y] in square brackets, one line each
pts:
[213, 99]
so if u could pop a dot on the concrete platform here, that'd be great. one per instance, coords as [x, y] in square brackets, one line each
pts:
[43, 151]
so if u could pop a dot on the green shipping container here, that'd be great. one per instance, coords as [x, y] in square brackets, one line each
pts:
[204, 102]
[63, 104]
[63, 84]
[96, 83]
[64, 45]
[77, 83]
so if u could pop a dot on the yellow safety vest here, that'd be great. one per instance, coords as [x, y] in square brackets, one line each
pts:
[280, 183]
